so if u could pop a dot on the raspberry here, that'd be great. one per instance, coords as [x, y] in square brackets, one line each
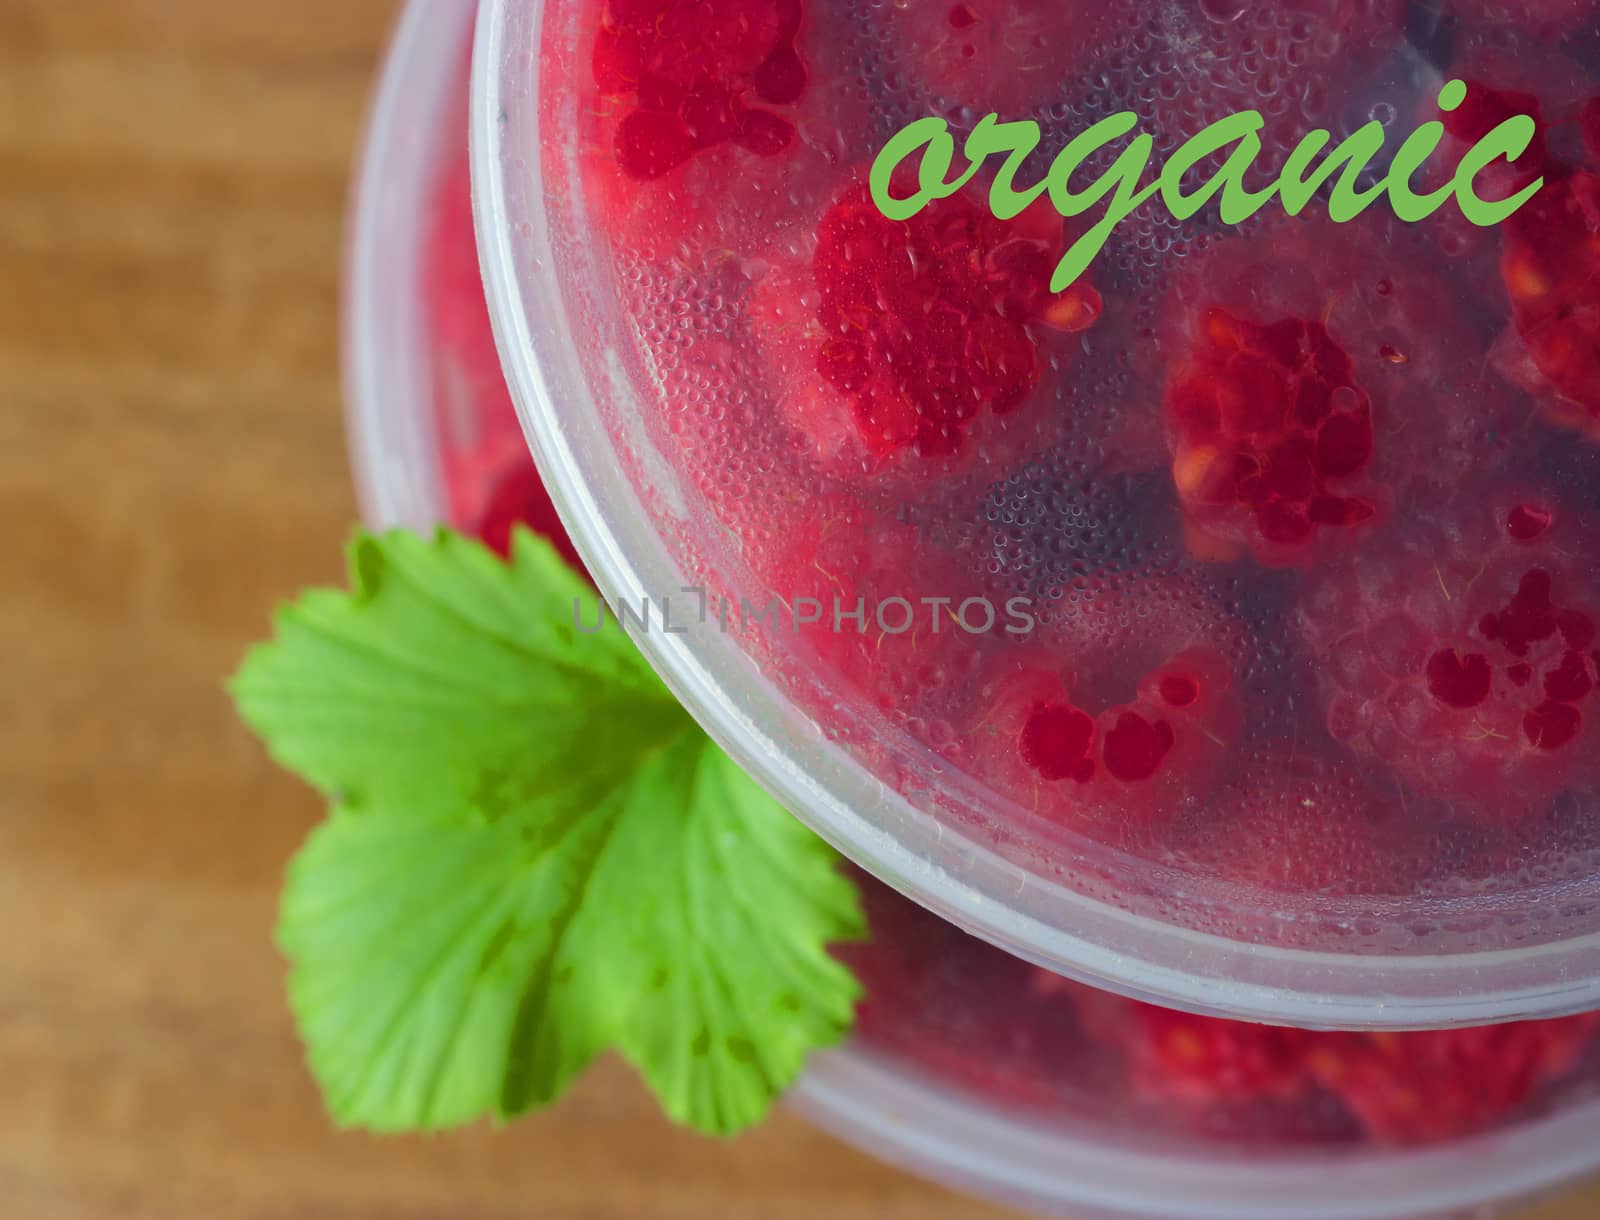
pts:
[693, 74]
[1532, 272]
[518, 497]
[1460, 651]
[901, 335]
[1272, 424]
[1316, 376]
[1059, 741]
[961, 1008]
[489, 479]
[685, 144]
[1060, 521]
[907, 658]
[1206, 1076]
[1202, 1061]
[1551, 266]
[1403, 1088]
[1485, 108]
[1508, 72]
[1288, 62]
[1004, 56]
[1416, 1088]
[458, 314]
[491, 484]
[1298, 824]
[1545, 19]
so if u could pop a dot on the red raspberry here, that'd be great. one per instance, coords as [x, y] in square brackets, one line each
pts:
[1545, 19]
[491, 484]
[1207, 1061]
[1005, 56]
[692, 74]
[1460, 650]
[489, 478]
[519, 498]
[685, 142]
[1531, 274]
[1416, 1088]
[961, 1008]
[985, 1020]
[898, 337]
[907, 658]
[458, 315]
[1589, 127]
[1551, 266]
[477, 429]
[1222, 1079]
[1507, 73]
[1290, 62]
[1058, 523]
[1299, 824]
[1100, 731]
[1270, 425]
[1316, 375]
[1484, 108]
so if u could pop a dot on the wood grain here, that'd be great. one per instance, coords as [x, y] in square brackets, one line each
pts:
[172, 177]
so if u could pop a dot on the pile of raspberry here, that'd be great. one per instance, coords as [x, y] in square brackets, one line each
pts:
[1023, 1038]
[1310, 406]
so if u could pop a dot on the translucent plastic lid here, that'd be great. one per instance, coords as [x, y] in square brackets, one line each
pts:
[1218, 627]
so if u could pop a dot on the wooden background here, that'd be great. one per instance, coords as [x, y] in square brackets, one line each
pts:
[172, 177]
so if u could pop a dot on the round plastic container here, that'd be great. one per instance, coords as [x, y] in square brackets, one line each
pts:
[1496, 918]
[409, 428]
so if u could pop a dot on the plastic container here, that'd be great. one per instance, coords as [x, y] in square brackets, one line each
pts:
[411, 437]
[1487, 917]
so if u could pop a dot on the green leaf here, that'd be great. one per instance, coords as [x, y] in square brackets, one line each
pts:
[537, 856]
[443, 672]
